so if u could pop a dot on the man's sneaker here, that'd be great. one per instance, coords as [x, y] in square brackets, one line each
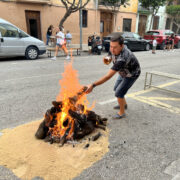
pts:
[67, 57]
[118, 107]
[54, 58]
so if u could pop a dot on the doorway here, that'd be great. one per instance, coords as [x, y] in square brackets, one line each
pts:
[33, 23]
[142, 25]
[106, 23]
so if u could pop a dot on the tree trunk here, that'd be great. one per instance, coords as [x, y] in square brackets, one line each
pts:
[152, 17]
[67, 14]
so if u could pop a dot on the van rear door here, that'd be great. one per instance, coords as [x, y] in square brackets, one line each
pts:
[11, 43]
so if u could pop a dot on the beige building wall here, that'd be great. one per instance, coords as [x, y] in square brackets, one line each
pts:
[53, 11]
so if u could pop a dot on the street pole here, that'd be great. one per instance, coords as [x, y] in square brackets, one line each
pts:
[80, 13]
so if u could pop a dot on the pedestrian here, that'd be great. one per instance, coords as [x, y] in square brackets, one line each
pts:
[68, 38]
[154, 45]
[60, 43]
[172, 42]
[90, 44]
[127, 65]
[167, 43]
[49, 34]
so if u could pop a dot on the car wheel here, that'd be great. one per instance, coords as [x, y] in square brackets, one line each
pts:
[162, 47]
[31, 53]
[147, 48]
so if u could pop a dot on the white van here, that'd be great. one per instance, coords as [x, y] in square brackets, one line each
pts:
[15, 42]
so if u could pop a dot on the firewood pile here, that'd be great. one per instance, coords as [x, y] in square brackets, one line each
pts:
[60, 125]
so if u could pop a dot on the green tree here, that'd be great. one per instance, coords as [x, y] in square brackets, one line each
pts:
[153, 6]
[71, 7]
[114, 6]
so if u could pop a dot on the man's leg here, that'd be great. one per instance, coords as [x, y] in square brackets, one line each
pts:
[120, 92]
[118, 81]
[121, 102]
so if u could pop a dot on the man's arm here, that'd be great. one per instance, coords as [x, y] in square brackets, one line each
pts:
[101, 81]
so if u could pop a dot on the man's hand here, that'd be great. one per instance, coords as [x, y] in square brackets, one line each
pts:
[89, 88]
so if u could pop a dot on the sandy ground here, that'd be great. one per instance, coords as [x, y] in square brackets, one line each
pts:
[28, 157]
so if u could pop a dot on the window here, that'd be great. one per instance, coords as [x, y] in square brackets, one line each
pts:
[8, 31]
[84, 18]
[168, 22]
[101, 26]
[152, 33]
[136, 36]
[128, 35]
[156, 22]
[174, 27]
[23, 34]
[127, 25]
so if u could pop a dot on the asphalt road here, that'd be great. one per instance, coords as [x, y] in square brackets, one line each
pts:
[143, 146]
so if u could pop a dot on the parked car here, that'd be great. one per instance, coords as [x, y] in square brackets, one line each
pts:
[161, 37]
[132, 40]
[15, 42]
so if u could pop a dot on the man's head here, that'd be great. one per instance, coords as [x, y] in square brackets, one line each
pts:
[116, 44]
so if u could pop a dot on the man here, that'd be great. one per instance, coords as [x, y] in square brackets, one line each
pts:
[129, 70]
[60, 43]
[68, 39]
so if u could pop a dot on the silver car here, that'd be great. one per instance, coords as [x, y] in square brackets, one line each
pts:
[15, 42]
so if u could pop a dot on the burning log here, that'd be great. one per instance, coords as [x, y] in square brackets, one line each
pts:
[95, 137]
[68, 121]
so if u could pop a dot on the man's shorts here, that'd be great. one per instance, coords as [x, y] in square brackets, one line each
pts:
[122, 85]
[89, 47]
[154, 48]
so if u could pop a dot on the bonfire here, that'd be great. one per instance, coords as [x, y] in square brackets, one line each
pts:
[70, 118]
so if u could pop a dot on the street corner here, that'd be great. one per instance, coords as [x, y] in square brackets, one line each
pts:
[28, 157]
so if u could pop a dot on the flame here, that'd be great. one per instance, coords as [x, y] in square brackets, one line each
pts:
[69, 87]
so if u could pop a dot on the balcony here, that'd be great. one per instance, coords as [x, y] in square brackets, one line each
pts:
[34, 1]
[142, 10]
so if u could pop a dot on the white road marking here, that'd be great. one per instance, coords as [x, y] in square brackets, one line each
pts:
[108, 101]
[30, 77]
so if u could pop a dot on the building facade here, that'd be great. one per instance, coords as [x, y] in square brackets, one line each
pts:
[35, 16]
[162, 19]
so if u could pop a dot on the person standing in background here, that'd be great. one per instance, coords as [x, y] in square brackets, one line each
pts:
[68, 38]
[172, 42]
[49, 33]
[90, 44]
[154, 45]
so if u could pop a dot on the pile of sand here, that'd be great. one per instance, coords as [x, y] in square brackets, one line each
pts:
[28, 157]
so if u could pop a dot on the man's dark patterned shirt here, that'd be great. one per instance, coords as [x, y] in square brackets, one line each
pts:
[126, 63]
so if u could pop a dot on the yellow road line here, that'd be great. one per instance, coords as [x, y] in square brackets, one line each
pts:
[162, 98]
[151, 89]
[158, 105]
[162, 105]
[153, 100]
